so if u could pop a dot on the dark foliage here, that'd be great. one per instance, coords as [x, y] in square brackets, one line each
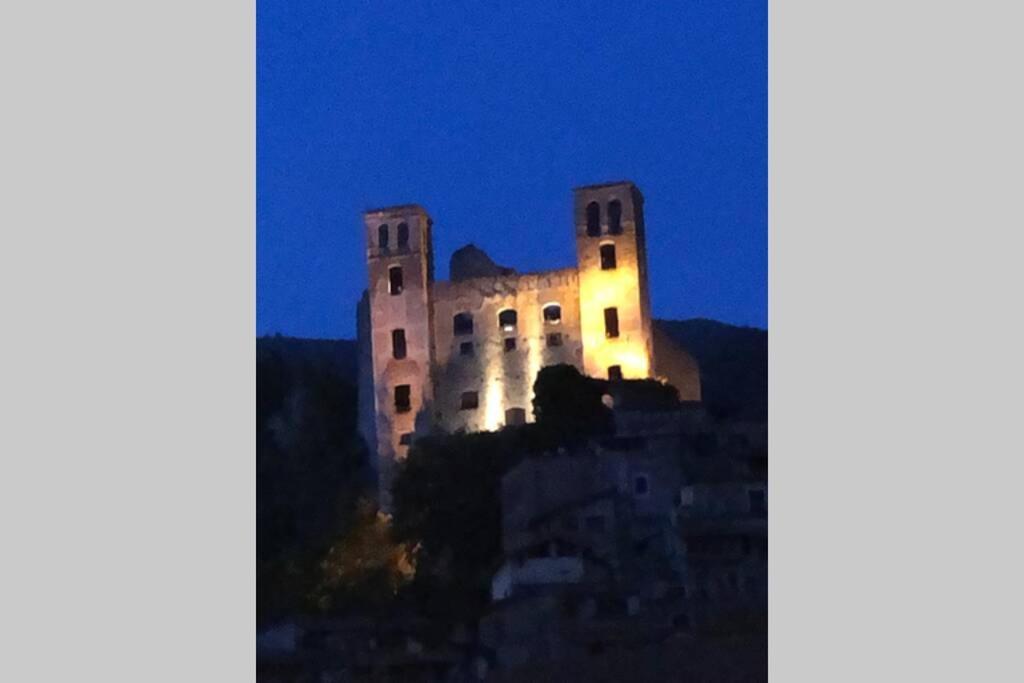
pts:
[568, 405]
[310, 466]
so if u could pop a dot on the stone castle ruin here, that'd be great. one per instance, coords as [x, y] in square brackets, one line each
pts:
[463, 354]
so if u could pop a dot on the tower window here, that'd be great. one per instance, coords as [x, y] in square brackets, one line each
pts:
[395, 282]
[507, 320]
[607, 257]
[510, 344]
[398, 344]
[593, 219]
[615, 217]
[403, 235]
[403, 398]
[641, 485]
[552, 313]
[382, 236]
[611, 323]
[405, 439]
[466, 349]
[555, 339]
[470, 401]
[462, 324]
[615, 372]
[515, 416]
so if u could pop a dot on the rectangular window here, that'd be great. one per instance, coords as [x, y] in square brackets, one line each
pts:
[469, 401]
[515, 416]
[641, 485]
[607, 257]
[510, 344]
[615, 372]
[555, 339]
[403, 398]
[611, 323]
[395, 282]
[398, 344]
[466, 349]
[462, 324]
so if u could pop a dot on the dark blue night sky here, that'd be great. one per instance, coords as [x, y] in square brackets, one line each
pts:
[488, 115]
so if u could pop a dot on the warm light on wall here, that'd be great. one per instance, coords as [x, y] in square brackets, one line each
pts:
[606, 289]
[494, 399]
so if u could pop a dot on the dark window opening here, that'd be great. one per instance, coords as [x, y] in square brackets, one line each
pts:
[403, 398]
[615, 217]
[398, 344]
[757, 502]
[611, 322]
[403, 235]
[593, 219]
[552, 313]
[466, 349]
[405, 439]
[641, 486]
[515, 416]
[510, 344]
[382, 236]
[462, 323]
[608, 257]
[469, 401]
[555, 339]
[395, 281]
[615, 372]
[681, 621]
[507, 320]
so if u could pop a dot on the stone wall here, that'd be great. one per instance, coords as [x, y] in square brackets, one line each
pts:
[502, 379]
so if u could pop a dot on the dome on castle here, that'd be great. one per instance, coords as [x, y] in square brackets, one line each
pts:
[471, 261]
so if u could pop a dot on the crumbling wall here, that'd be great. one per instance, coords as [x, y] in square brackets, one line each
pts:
[502, 379]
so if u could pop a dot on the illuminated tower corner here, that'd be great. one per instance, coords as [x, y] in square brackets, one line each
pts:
[399, 258]
[615, 316]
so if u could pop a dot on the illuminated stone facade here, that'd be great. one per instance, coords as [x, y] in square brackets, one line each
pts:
[463, 354]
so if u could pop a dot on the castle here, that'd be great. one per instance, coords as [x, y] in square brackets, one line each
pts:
[463, 354]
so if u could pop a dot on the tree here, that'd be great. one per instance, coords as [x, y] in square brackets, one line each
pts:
[568, 406]
[363, 570]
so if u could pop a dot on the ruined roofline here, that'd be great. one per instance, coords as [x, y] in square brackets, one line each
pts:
[396, 209]
[559, 272]
[598, 186]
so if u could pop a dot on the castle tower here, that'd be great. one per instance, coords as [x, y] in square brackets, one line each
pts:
[399, 258]
[615, 317]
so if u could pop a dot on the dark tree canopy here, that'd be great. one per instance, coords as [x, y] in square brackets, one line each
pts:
[569, 406]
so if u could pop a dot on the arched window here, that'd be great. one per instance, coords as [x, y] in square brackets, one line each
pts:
[615, 217]
[403, 235]
[507, 320]
[552, 313]
[593, 219]
[382, 236]
[462, 324]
